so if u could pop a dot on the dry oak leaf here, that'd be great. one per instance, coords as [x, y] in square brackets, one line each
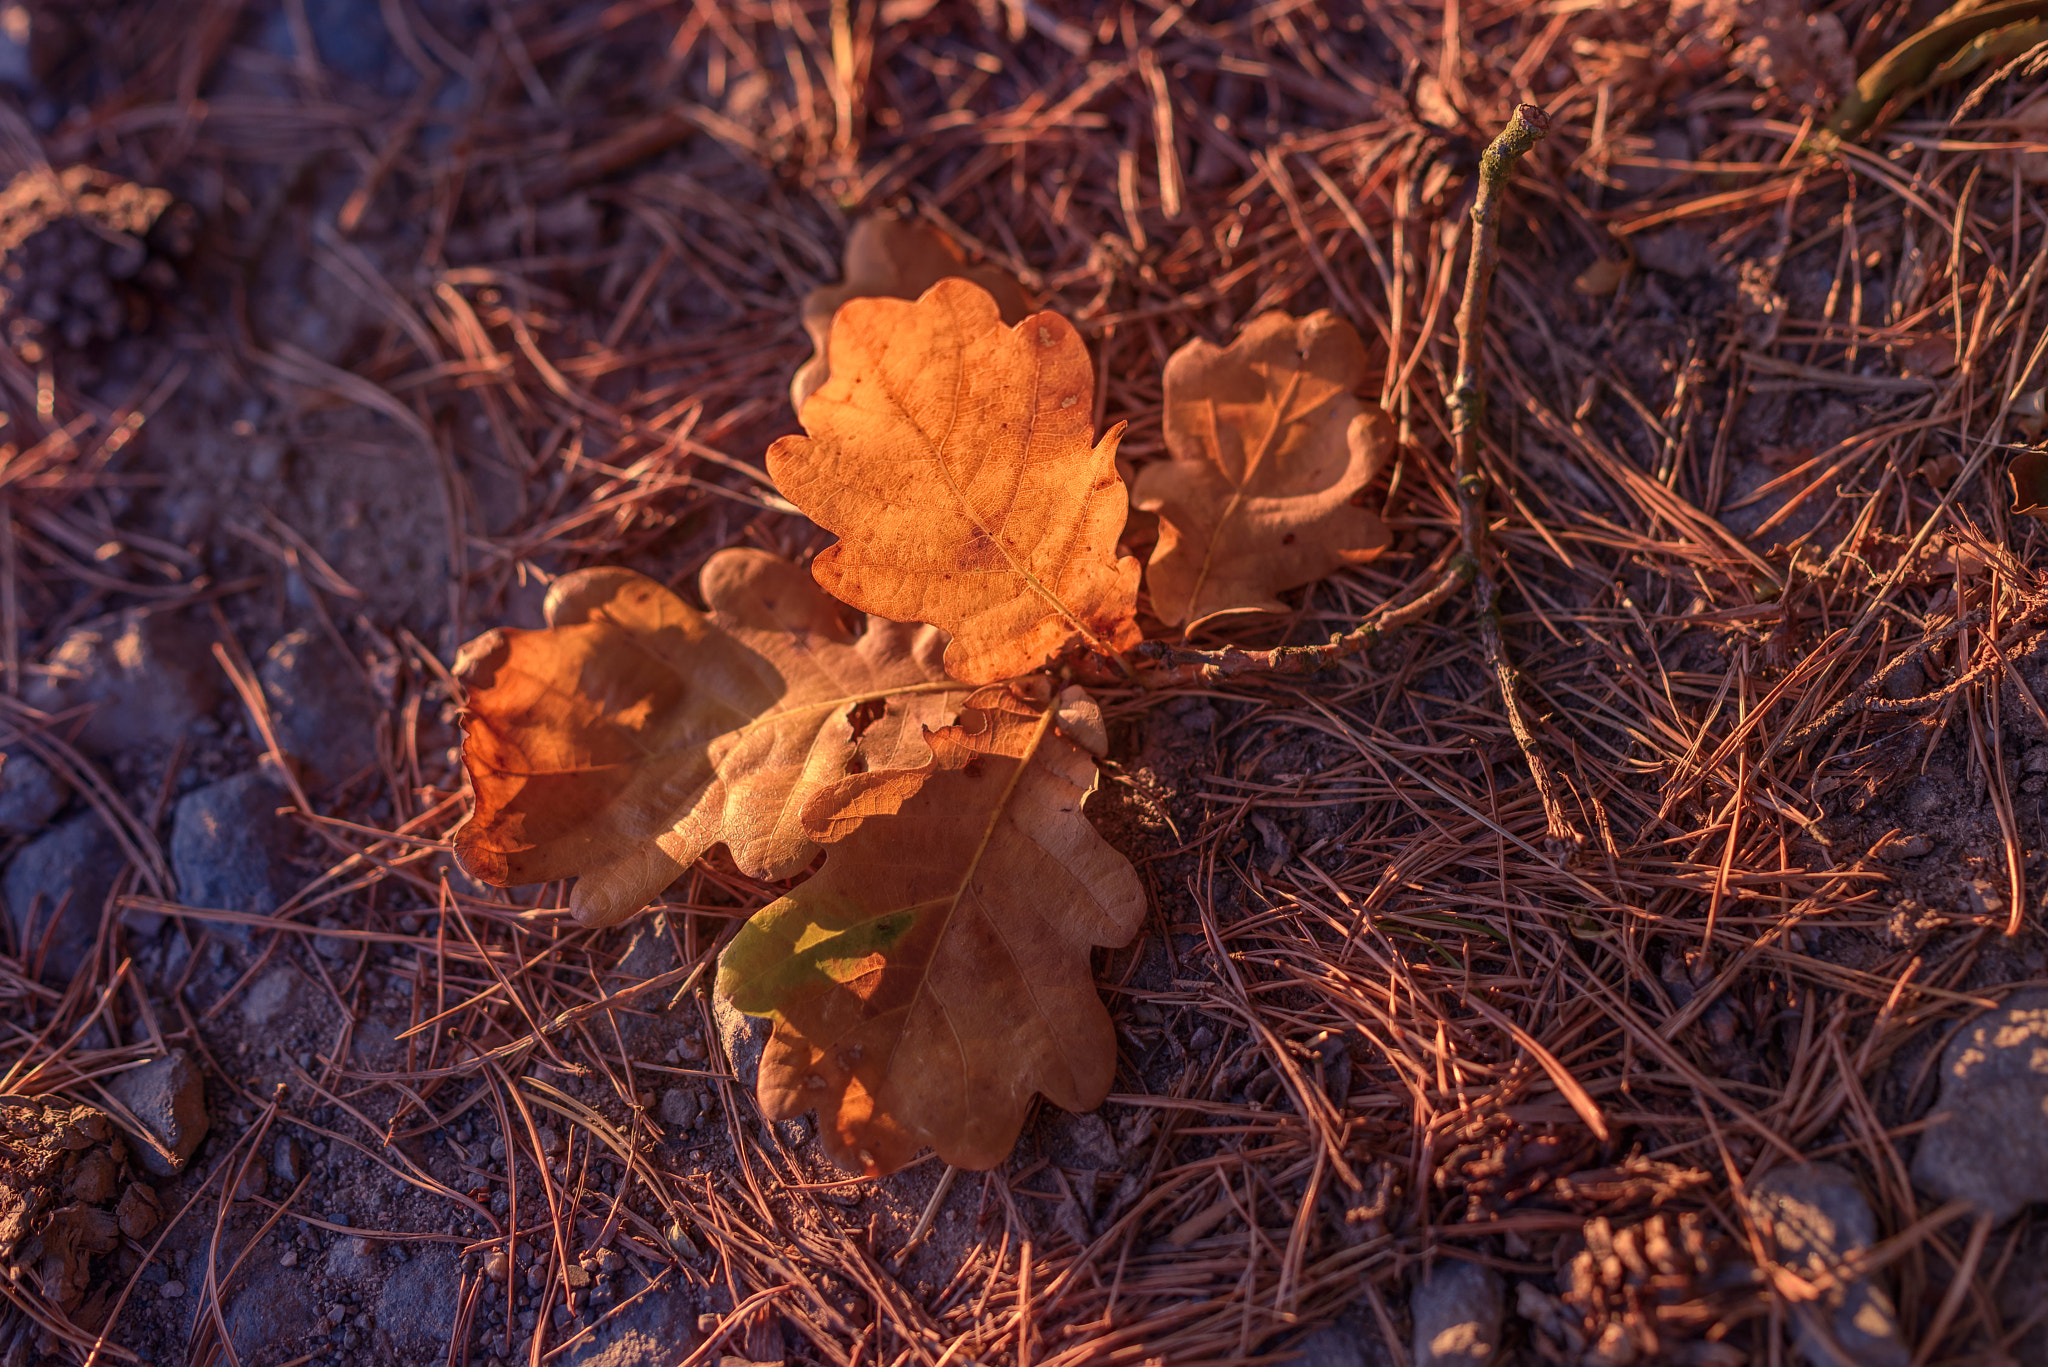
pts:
[954, 458]
[936, 971]
[1269, 443]
[895, 258]
[636, 732]
[2029, 475]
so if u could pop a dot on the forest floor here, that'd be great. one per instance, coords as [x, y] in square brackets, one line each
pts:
[463, 295]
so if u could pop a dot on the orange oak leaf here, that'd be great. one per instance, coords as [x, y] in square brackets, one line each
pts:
[954, 458]
[897, 258]
[1269, 443]
[936, 971]
[635, 732]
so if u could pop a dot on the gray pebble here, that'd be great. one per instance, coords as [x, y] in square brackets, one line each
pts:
[1992, 1147]
[1458, 1309]
[322, 707]
[271, 1315]
[643, 1334]
[29, 793]
[168, 1096]
[288, 1159]
[146, 676]
[67, 874]
[678, 1108]
[1816, 1215]
[229, 847]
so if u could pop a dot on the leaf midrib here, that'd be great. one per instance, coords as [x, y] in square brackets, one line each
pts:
[1251, 470]
[951, 903]
[938, 453]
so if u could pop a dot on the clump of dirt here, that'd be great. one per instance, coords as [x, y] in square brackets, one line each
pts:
[68, 1196]
[85, 258]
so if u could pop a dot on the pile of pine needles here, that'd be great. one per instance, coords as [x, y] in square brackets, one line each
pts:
[1751, 397]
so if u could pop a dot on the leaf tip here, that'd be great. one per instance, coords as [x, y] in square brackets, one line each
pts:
[2029, 475]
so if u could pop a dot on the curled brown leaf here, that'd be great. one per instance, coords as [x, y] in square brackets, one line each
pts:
[1269, 444]
[2029, 475]
[635, 732]
[935, 973]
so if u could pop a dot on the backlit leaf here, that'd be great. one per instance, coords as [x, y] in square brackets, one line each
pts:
[895, 258]
[936, 971]
[1269, 443]
[634, 733]
[955, 459]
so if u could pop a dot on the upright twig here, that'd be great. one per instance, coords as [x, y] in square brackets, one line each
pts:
[1466, 565]
[1467, 406]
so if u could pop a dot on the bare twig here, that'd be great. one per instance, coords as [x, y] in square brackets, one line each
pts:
[1468, 404]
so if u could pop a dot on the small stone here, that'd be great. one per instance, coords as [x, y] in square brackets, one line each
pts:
[171, 1290]
[29, 793]
[270, 1316]
[1817, 1216]
[1458, 1309]
[1090, 1139]
[290, 1258]
[146, 675]
[418, 1304]
[1992, 1145]
[288, 1159]
[333, 948]
[168, 1096]
[94, 1179]
[67, 874]
[653, 1331]
[577, 1277]
[350, 1258]
[1201, 1039]
[228, 848]
[1682, 252]
[270, 995]
[138, 1210]
[497, 1266]
[322, 706]
[650, 953]
[742, 1038]
[1347, 1343]
[678, 1108]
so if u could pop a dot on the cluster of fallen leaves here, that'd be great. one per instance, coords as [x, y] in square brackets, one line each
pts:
[934, 972]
